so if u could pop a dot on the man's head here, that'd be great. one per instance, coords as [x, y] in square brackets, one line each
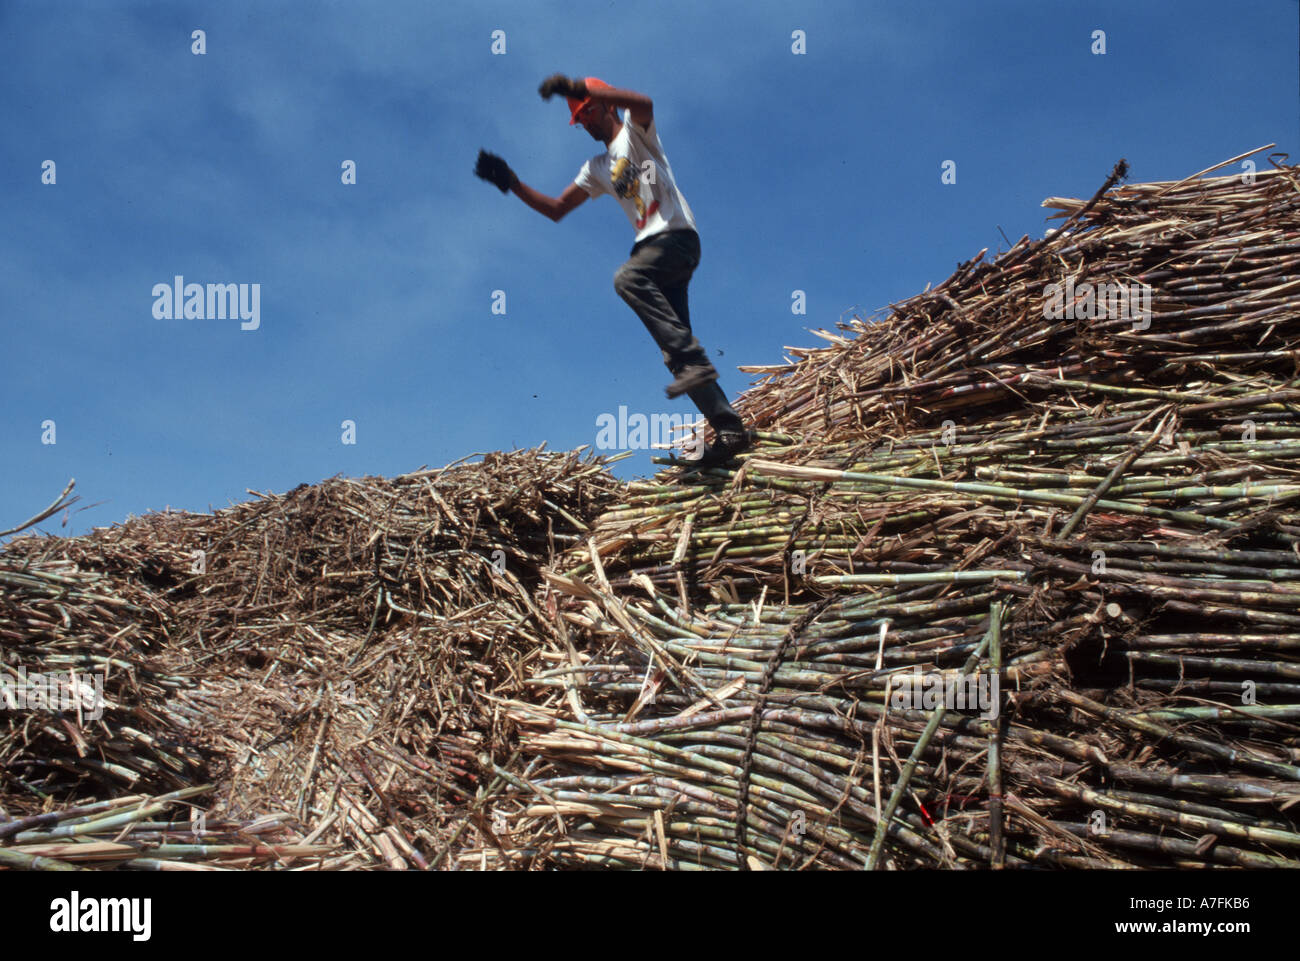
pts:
[600, 119]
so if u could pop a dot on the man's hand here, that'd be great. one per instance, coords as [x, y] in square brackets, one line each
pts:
[559, 83]
[493, 169]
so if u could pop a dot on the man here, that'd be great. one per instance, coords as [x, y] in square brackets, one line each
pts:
[634, 170]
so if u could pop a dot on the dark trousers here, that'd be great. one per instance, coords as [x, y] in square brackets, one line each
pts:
[653, 282]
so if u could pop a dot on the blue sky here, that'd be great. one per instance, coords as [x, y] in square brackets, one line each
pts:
[817, 172]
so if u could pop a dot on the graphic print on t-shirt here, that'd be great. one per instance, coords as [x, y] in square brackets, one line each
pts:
[627, 184]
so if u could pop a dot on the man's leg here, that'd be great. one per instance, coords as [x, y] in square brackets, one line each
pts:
[654, 283]
[658, 267]
[712, 403]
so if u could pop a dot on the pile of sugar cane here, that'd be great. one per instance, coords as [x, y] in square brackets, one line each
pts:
[1094, 519]
[303, 679]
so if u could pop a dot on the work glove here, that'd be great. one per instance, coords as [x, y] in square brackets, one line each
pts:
[559, 83]
[493, 169]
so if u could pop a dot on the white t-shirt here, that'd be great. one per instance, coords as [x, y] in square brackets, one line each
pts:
[635, 172]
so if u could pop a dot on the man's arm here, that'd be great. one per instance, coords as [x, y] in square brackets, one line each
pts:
[497, 172]
[641, 108]
[552, 207]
